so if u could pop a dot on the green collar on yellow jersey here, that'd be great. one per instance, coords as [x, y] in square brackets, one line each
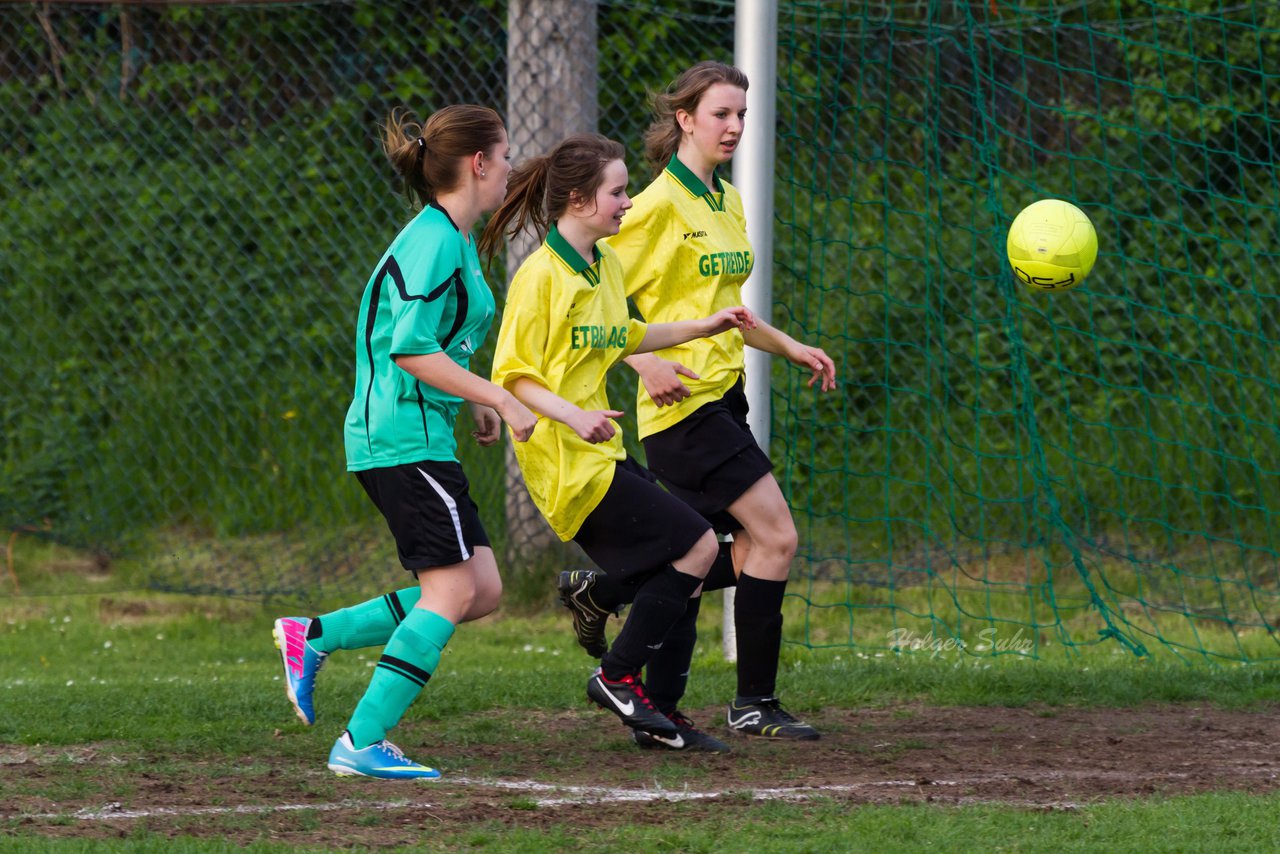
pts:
[575, 262]
[694, 186]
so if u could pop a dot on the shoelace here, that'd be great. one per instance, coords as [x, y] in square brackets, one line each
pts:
[777, 709]
[681, 721]
[394, 751]
[638, 687]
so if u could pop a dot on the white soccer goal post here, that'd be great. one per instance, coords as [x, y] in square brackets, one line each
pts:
[756, 53]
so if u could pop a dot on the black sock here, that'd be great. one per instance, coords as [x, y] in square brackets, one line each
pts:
[721, 574]
[757, 613]
[660, 602]
[668, 670]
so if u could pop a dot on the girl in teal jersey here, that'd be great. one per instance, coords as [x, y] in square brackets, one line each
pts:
[424, 312]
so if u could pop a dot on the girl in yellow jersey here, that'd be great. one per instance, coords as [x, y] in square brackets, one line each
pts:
[685, 253]
[564, 325]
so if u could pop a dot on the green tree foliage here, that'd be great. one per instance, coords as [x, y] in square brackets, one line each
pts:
[195, 197]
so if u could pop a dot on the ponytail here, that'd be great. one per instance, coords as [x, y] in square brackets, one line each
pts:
[428, 156]
[525, 205]
[540, 189]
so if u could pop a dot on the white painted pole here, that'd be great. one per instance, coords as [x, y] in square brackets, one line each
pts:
[756, 53]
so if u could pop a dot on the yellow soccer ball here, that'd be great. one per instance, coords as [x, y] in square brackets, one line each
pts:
[1052, 245]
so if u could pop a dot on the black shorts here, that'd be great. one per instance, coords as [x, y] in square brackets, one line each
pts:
[710, 459]
[429, 510]
[638, 527]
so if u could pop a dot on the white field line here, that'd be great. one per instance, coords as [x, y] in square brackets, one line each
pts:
[547, 795]
[569, 795]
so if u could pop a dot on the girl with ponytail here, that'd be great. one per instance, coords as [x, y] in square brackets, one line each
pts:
[564, 325]
[425, 310]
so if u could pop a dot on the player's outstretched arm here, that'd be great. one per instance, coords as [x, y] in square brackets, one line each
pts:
[593, 426]
[773, 340]
[659, 336]
[662, 377]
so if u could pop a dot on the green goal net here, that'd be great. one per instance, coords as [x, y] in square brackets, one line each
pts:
[1010, 469]
[195, 197]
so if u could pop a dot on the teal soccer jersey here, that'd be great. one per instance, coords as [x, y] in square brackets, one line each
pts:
[427, 295]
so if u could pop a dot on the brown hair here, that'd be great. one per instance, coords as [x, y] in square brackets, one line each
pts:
[540, 189]
[428, 156]
[663, 136]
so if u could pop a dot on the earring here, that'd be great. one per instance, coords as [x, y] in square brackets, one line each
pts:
[481, 173]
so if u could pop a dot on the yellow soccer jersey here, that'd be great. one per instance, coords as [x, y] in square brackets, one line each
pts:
[565, 324]
[685, 255]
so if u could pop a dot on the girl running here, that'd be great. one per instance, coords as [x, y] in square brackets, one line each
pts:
[685, 253]
[425, 311]
[564, 325]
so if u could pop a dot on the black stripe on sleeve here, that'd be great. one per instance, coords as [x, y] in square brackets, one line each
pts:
[459, 287]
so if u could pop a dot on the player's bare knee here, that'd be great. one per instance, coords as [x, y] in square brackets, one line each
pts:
[488, 597]
[487, 585]
[464, 599]
[788, 542]
[778, 543]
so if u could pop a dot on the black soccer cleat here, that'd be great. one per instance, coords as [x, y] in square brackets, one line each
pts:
[767, 719]
[688, 738]
[626, 699]
[575, 586]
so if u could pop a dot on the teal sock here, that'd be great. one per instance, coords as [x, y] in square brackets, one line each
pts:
[412, 654]
[367, 624]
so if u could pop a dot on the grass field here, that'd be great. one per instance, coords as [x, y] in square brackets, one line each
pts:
[137, 721]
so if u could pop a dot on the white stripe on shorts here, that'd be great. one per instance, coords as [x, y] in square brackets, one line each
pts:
[453, 512]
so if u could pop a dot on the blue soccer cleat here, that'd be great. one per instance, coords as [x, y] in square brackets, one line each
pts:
[383, 760]
[301, 664]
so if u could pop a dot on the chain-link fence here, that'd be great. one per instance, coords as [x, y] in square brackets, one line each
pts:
[194, 198]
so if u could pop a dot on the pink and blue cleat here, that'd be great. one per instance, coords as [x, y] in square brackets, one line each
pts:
[301, 664]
